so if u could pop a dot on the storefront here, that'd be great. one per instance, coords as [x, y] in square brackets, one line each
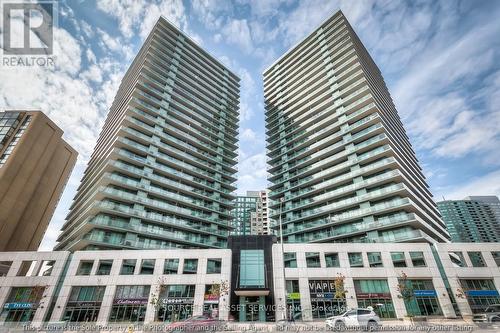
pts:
[175, 303]
[129, 304]
[375, 293]
[84, 304]
[324, 301]
[22, 304]
[480, 294]
[423, 300]
[211, 301]
[294, 310]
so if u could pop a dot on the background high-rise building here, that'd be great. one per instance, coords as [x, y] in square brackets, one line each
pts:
[35, 164]
[473, 219]
[163, 169]
[251, 214]
[338, 154]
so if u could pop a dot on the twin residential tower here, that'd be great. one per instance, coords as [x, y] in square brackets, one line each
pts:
[163, 171]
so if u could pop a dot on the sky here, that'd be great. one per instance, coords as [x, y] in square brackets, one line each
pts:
[438, 58]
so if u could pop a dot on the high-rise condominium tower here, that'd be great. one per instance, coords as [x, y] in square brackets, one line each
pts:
[251, 214]
[163, 169]
[473, 219]
[35, 163]
[341, 165]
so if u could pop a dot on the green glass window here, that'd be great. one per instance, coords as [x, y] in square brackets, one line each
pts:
[476, 259]
[332, 259]
[496, 257]
[417, 259]
[104, 267]
[375, 259]
[398, 259]
[85, 267]
[355, 259]
[147, 267]
[171, 266]
[312, 259]
[371, 286]
[457, 258]
[128, 267]
[214, 266]
[190, 266]
[252, 269]
[290, 260]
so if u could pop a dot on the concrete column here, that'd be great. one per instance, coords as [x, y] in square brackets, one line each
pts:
[443, 298]
[149, 316]
[40, 313]
[305, 299]
[61, 301]
[350, 299]
[106, 305]
[462, 303]
[199, 294]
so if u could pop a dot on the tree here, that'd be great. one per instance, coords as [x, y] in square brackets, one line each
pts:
[340, 291]
[406, 291]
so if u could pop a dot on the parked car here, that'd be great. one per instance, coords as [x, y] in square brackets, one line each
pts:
[490, 315]
[364, 318]
[196, 324]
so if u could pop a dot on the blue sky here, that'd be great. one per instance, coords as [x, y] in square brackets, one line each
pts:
[439, 60]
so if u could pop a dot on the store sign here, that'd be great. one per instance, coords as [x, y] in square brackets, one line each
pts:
[209, 297]
[482, 293]
[22, 305]
[321, 286]
[423, 293]
[293, 295]
[178, 300]
[130, 301]
[83, 304]
[323, 295]
[373, 295]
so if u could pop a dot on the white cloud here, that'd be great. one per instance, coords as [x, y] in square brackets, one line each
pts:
[252, 173]
[248, 135]
[488, 184]
[135, 15]
[237, 32]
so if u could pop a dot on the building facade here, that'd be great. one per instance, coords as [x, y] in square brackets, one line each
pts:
[341, 166]
[474, 219]
[251, 214]
[162, 172]
[35, 164]
[249, 282]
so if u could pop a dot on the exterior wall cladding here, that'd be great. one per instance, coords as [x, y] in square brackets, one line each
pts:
[163, 169]
[340, 162]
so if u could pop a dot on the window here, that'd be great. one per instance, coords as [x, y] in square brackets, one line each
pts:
[252, 269]
[104, 267]
[312, 259]
[129, 304]
[457, 259]
[46, 268]
[85, 267]
[375, 259]
[147, 267]
[476, 259]
[398, 259]
[84, 304]
[496, 257]
[214, 266]
[332, 259]
[5, 267]
[417, 259]
[355, 259]
[290, 260]
[171, 266]
[26, 268]
[190, 266]
[128, 267]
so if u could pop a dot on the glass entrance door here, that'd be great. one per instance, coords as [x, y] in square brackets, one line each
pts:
[252, 308]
